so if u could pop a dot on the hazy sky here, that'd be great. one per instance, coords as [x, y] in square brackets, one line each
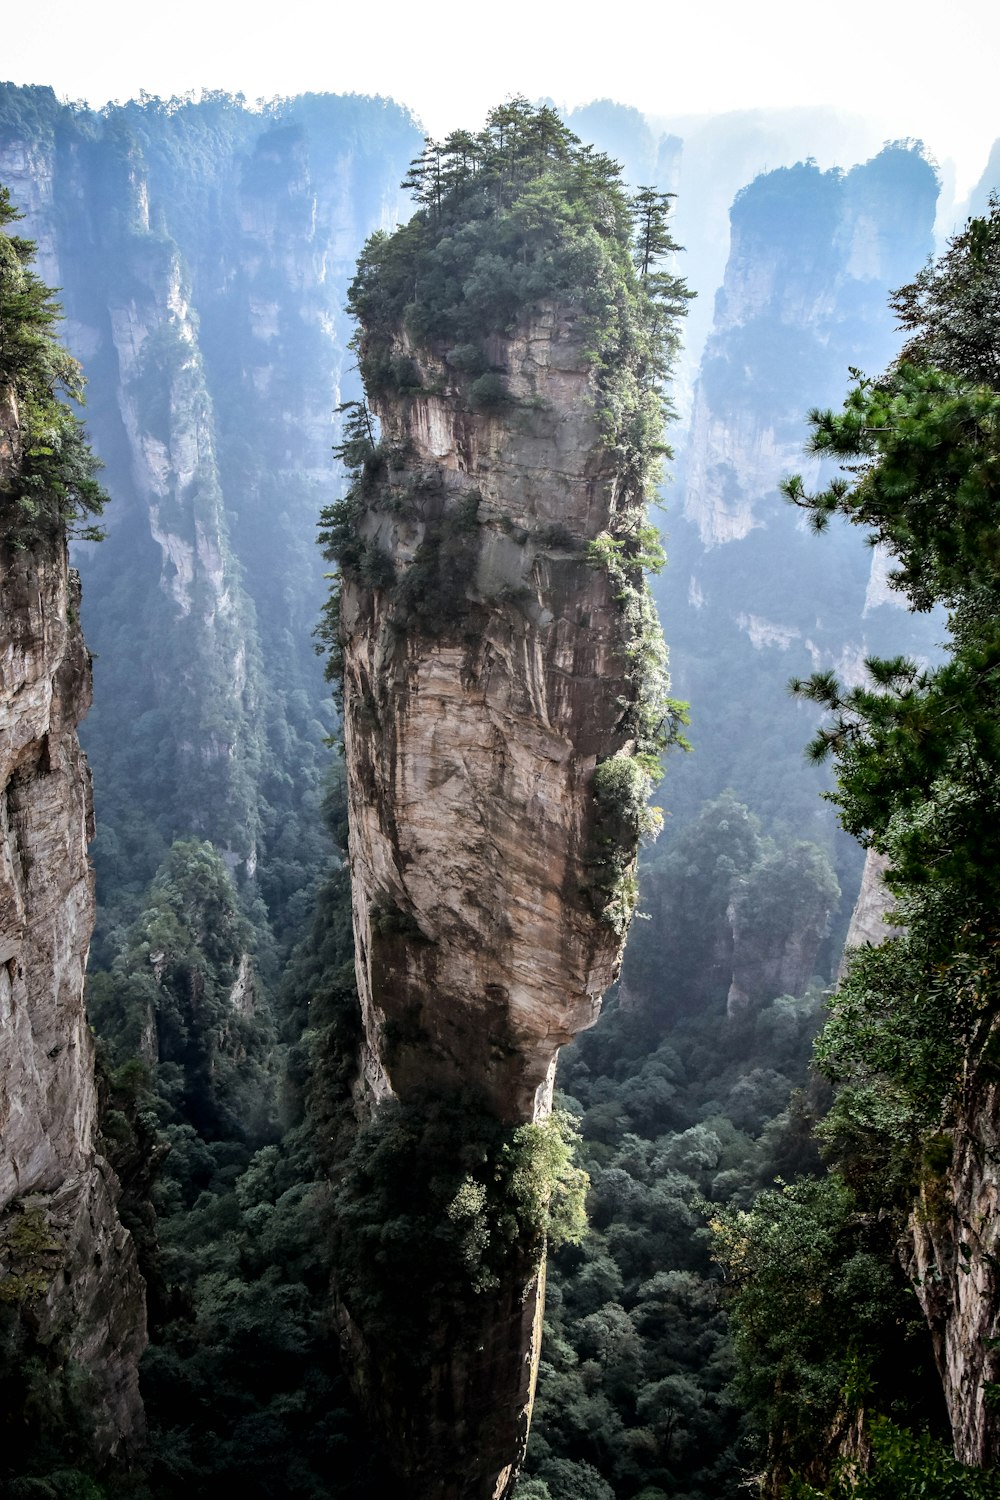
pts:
[918, 70]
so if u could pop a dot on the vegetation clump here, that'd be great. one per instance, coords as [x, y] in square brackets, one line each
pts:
[47, 471]
[26, 1248]
[437, 1193]
[910, 1039]
[514, 217]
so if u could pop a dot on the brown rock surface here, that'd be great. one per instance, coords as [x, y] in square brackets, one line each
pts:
[471, 750]
[93, 1305]
[953, 1259]
[484, 680]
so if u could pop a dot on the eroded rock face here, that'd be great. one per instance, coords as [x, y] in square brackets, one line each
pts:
[471, 740]
[868, 926]
[952, 1256]
[90, 1299]
[484, 678]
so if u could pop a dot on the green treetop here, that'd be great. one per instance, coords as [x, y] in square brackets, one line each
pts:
[510, 218]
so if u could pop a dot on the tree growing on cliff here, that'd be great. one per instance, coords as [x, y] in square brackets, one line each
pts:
[917, 753]
[917, 748]
[516, 215]
[47, 471]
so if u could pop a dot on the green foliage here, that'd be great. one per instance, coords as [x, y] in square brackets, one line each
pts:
[916, 753]
[820, 1317]
[622, 787]
[26, 1247]
[519, 215]
[242, 1382]
[905, 1465]
[49, 483]
[438, 1203]
[724, 898]
[917, 750]
[182, 992]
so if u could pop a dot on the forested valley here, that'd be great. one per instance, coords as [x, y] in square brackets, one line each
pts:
[767, 1185]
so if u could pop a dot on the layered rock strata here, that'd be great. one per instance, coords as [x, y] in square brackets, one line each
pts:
[482, 684]
[66, 1263]
[485, 676]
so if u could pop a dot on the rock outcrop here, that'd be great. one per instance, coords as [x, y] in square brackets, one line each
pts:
[952, 1255]
[67, 1265]
[485, 676]
[868, 925]
[472, 738]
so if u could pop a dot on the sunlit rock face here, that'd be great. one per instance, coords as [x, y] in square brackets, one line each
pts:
[82, 1292]
[471, 742]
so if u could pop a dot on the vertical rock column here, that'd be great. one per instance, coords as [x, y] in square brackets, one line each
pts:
[483, 681]
[67, 1265]
[485, 676]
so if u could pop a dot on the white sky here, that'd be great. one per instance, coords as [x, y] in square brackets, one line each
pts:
[916, 69]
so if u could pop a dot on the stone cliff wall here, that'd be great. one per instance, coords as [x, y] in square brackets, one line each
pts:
[65, 1261]
[952, 1255]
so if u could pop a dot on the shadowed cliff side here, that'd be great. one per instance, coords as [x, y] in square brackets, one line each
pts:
[72, 1302]
[504, 707]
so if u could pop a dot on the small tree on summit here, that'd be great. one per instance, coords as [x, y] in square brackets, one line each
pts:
[652, 237]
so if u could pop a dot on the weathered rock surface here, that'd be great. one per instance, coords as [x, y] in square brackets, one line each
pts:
[868, 925]
[471, 750]
[93, 1303]
[481, 687]
[953, 1260]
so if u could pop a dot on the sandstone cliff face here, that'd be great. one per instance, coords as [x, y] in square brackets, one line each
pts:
[471, 750]
[83, 1295]
[484, 677]
[868, 924]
